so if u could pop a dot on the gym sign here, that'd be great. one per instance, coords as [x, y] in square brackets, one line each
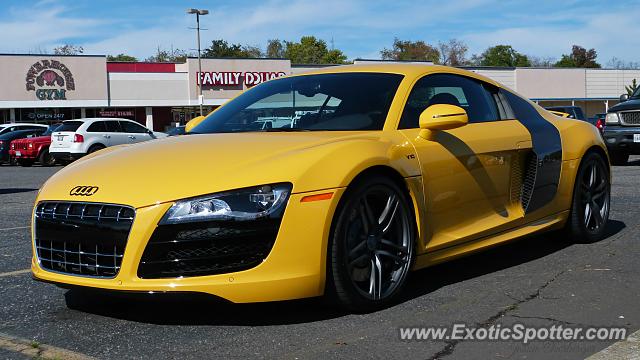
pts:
[50, 79]
[235, 78]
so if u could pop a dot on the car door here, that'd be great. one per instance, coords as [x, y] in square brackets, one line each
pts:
[134, 131]
[115, 133]
[469, 173]
[98, 133]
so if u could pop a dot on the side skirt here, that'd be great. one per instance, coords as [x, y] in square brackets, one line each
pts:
[432, 258]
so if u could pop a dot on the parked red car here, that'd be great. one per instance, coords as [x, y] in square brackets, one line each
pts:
[27, 151]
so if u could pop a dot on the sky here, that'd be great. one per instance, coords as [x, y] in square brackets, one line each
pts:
[360, 28]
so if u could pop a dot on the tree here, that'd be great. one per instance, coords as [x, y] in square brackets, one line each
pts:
[616, 63]
[312, 51]
[453, 53]
[545, 62]
[222, 49]
[171, 55]
[411, 50]
[68, 49]
[275, 49]
[122, 57]
[502, 55]
[631, 89]
[579, 58]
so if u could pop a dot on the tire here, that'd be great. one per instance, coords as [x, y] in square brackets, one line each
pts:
[364, 239]
[95, 147]
[45, 159]
[619, 158]
[591, 191]
[25, 163]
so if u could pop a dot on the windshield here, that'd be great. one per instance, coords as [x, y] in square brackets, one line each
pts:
[636, 94]
[51, 129]
[70, 126]
[345, 101]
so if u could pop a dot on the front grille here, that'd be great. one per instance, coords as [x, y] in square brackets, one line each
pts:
[207, 248]
[21, 145]
[85, 239]
[630, 118]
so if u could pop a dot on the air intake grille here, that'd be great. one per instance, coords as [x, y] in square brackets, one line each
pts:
[630, 118]
[530, 173]
[209, 248]
[85, 239]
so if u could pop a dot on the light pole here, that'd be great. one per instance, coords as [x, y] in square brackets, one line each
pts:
[199, 12]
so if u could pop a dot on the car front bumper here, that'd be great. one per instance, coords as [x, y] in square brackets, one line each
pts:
[295, 267]
[621, 139]
[24, 154]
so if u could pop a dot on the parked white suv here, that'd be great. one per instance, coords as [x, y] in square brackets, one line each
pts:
[76, 138]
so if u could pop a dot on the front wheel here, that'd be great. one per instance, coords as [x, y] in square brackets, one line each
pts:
[45, 159]
[372, 245]
[591, 200]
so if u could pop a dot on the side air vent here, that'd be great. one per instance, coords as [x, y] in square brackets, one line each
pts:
[529, 179]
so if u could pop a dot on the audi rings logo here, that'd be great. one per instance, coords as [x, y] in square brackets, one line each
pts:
[83, 191]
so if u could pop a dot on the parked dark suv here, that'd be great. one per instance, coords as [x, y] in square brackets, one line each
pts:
[622, 130]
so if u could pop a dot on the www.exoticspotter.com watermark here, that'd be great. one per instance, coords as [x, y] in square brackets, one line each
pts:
[516, 332]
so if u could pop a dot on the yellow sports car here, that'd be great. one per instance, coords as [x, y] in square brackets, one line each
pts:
[337, 182]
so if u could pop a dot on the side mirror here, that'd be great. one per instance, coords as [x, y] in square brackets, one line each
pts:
[442, 117]
[193, 123]
[624, 97]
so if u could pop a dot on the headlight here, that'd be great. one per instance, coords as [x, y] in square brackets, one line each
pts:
[612, 118]
[244, 204]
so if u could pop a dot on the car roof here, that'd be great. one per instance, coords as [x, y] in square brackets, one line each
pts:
[16, 133]
[99, 119]
[413, 70]
[22, 124]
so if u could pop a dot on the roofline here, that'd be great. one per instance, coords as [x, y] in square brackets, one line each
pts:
[50, 55]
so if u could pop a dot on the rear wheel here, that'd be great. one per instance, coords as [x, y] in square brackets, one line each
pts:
[591, 200]
[95, 148]
[372, 245]
[619, 158]
[45, 159]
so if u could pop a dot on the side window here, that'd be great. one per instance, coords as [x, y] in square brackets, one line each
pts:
[97, 126]
[498, 99]
[131, 127]
[450, 89]
[112, 126]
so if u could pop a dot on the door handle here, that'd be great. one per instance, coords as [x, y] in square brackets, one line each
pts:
[107, 136]
[131, 137]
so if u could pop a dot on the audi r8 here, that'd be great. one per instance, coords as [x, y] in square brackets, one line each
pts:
[378, 170]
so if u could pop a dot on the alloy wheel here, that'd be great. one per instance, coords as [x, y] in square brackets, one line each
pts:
[595, 190]
[378, 242]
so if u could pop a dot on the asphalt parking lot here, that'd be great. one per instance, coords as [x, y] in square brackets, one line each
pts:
[538, 281]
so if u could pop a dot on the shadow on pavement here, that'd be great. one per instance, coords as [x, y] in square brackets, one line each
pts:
[15, 190]
[197, 309]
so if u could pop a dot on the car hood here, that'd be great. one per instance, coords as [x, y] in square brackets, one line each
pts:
[627, 105]
[179, 167]
[37, 139]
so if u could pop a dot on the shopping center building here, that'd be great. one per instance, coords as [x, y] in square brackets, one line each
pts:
[47, 89]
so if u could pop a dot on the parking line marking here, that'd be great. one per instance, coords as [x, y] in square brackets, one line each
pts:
[37, 350]
[17, 272]
[15, 228]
